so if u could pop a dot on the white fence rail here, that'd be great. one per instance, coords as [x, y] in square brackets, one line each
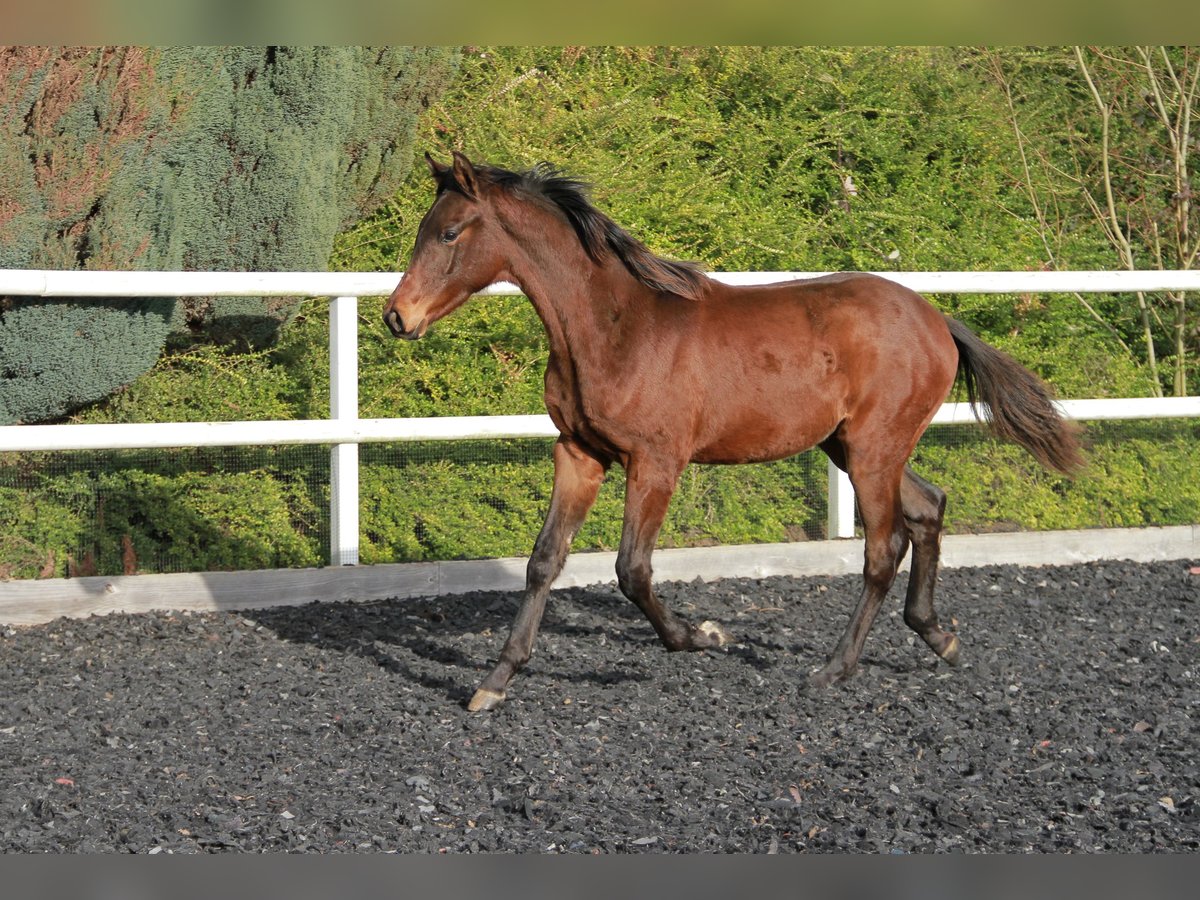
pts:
[345, 431]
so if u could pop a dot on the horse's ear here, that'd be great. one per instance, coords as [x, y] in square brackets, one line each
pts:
[464, 174]
[436, 169]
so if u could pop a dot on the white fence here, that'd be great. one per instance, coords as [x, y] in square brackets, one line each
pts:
[345, 430]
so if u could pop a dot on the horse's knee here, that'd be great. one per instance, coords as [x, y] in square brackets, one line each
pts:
[926, 515]
[924, 533]
[882, 561]
[543, 566]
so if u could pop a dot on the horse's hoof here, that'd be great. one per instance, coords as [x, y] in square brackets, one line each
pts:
[950, 650]
[485, 700]
[824, 677]
[719, 636]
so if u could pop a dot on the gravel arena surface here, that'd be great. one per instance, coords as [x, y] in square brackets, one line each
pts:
[1071, 724]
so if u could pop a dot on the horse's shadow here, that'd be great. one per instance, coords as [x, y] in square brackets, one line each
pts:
[448, 643]
[423, 639]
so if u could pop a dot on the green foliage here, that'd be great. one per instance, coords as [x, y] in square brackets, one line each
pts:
[447, 509]
[206, 383]
[1108, 164]
[41, 528]
[279, 148]
[745, 504]
[57, 355]
[200, 510]
[488, 499]
[490, 361]
[69, 122]
[209, 521]
[226, 158]
[1138, 474]
[738, 156]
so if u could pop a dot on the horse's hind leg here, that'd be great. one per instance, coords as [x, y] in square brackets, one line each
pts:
[577, 480]
[648, 490]
[924, 506]
[877, 491]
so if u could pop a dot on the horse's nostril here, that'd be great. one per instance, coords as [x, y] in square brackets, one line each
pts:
[392, 319]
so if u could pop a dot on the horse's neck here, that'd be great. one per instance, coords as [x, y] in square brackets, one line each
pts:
[582, 305]
[574, 330]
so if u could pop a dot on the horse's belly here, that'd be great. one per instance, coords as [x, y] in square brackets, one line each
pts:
[757, 437]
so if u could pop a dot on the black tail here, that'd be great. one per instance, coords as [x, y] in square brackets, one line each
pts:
[1019, 404]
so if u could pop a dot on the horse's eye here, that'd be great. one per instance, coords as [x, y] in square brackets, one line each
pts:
[449, 236]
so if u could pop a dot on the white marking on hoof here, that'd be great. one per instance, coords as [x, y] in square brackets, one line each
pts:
[483, 701]
[951, 651]
[712, 628]
[821, 678]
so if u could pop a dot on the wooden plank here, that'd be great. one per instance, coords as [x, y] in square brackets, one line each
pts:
[127, 435]
[121, 435]
[33, 602]
[92, 283]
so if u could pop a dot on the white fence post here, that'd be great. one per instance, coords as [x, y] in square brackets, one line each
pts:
[841, 504]
[343, 405]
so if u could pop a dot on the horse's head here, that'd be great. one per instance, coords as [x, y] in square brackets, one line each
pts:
[457, 251]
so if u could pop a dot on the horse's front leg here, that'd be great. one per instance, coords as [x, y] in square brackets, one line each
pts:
[648, 490]
[577, 480]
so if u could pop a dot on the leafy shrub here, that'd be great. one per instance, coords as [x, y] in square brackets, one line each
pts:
[488, 499]
[227, 158]
[160, 511]
[42, 528]
[205, 522]
[1137, 475]
[206, 383]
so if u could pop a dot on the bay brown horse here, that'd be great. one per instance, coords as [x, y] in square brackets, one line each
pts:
[654, 365]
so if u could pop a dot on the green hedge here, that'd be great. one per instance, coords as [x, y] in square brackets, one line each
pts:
[195, 510]
[264, 508]
[490, 500]
[1138, 474]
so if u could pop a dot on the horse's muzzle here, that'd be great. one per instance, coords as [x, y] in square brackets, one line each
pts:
[396, 325]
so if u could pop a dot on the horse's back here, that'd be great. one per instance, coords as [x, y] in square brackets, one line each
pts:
[861, 318]
[867, 297]
[789, 362]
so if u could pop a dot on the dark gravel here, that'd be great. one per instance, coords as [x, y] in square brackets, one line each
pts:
[1071, 725]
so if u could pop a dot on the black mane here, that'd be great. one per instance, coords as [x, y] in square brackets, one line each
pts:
[599, 234]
